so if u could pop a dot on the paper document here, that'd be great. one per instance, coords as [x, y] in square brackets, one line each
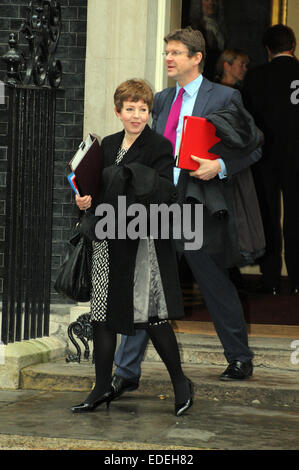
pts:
[81, 152]
[87, 165]
[72, 180]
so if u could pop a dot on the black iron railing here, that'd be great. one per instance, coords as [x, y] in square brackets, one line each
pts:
[82, 329]
[31, 85]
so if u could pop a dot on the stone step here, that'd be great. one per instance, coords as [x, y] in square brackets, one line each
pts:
[282, 353]
[266, 387]
[275, 379]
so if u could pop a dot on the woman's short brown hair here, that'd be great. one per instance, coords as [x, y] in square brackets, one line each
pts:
[133, 90]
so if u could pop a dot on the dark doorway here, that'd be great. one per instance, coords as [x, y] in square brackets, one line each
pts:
[229, 24]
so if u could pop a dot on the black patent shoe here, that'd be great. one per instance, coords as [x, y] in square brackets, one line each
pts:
[121, 385]
[87, 407]
[180, 408]
[238, 370]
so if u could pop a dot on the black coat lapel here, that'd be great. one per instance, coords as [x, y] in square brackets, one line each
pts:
[113, 145]
[112, 148]
[134, 150]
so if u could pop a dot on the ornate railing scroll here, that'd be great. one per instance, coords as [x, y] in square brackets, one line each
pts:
[41, 29]
[82, 329]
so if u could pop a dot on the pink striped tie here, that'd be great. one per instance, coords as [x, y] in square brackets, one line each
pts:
[173, 119]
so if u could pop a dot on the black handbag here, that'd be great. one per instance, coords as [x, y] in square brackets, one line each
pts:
[74, 276]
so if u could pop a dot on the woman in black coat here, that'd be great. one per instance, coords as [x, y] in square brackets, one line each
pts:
[135, 282]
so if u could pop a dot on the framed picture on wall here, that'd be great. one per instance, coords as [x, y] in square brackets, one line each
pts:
[233, 24]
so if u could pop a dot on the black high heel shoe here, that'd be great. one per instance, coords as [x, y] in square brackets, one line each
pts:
[86, 407]
[180, 408]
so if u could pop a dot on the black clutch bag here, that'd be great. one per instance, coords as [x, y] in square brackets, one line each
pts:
[74, 276]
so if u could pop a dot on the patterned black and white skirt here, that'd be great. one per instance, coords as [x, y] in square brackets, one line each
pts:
[100, 278]
[149, 300]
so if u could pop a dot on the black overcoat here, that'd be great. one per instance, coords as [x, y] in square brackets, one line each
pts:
[144, 176]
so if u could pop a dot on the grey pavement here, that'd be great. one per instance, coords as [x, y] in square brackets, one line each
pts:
[259, 414]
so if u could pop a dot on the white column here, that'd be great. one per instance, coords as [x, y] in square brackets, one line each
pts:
[163, 19]
[122, 43]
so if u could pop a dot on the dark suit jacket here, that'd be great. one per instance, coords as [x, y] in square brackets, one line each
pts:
[211, 97]
[267, 95]
[220, 237]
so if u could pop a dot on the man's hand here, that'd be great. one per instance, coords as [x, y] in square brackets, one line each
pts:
[83, 202]
[207, 170]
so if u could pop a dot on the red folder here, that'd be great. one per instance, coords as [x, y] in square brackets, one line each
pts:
[198, 136]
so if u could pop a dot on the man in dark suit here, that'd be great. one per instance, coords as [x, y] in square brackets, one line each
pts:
[271, 95]
[185, 53]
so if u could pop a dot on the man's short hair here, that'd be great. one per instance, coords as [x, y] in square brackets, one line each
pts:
[194, 41]
[279, 38]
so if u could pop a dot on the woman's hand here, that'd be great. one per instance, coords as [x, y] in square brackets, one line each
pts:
[83, 202]
[207, 170]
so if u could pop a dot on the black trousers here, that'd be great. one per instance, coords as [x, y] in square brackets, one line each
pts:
[223, 303]
[270, 184]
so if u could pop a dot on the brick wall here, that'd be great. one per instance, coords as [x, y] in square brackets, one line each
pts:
[69, 118]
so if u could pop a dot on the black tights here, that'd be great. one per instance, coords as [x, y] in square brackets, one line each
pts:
[165, 343]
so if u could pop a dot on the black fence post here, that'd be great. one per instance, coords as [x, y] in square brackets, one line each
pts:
[32, 82]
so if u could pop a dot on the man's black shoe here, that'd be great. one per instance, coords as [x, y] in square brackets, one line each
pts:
[237, 370]
[121, 385]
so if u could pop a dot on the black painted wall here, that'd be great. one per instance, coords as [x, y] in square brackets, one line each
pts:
[69, 119]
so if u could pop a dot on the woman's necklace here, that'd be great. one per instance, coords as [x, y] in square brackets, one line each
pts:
[126, 143]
